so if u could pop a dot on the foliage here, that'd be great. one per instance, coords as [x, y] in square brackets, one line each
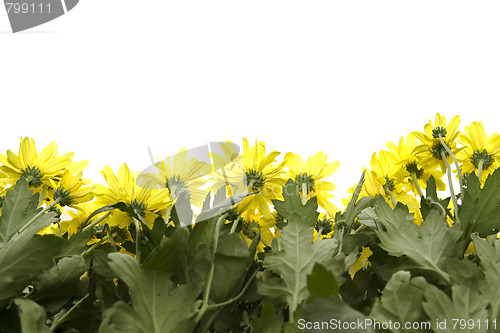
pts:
[394, 260]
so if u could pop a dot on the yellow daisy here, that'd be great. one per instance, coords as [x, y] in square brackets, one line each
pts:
[308, 177]
[430, 152]
[38, 169]
[481, 154]
[72, 190]
[146, 202]
[417, 175]
[254, 172]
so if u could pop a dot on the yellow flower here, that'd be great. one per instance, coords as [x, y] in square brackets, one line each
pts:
[253, 224]
[481, 154]
[430, 151]
[71, 189]
[254, 172]
[79, 217]
[325, 224]
[38, 169]
[402, 156]
[146, 202]
[383, 179]
[309, 175]
[362, 262]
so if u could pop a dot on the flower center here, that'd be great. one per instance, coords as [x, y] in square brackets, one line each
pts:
[251, 229]
[324, 224]
[436, 131]
[413, 168]
[138, 207]
[255, 180]
[479, 156]
[389, 184]
[64, 195]
[33, 175]
[304, 178]
[176, 185]
[436, 150]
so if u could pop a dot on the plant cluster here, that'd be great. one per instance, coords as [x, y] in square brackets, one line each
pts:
[249, 243]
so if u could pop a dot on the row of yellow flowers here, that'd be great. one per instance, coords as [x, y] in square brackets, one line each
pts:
[398, 173]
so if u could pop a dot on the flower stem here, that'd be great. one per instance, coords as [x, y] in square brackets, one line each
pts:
[96, 222]
[304, 194]
[393, 198]
[34, 218]
[235, 298]
[318, 237]
[414, 179]
[480, 169]
[58, 320]
[206, 292]
[235, 224]
[452, 191]
[137, 235]
[448, 150]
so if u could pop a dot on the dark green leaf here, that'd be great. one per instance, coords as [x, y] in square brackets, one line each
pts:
[321, 283]
[269, 320]
[158, 305]
[32, 316]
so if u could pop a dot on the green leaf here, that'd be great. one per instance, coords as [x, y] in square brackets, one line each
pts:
[401, 300]
[56, 286]
[169, 255]
[480, 210]
[428, 245]
[292, 203]
[32, 316]
[76, 244]
[158, 305]
[17, 209]
[330, 315]
[230, 267]
[269, 321]
[23, 260]
[322, 283]
[293, 258]
[466, 303]
[489, 256]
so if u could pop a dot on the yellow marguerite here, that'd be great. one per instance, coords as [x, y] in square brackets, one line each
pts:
[38, 169]
[430, 151]
[254, 172]
[383, 179]
[323, 224]
[71, 189]
[362, 262]
[146, 202]
[308, 177]
[481, 154]
[403, 157]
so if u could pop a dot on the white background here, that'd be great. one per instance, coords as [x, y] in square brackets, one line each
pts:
[113, 77]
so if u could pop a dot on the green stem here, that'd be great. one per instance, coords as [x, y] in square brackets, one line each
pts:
[459, 172]
[452, 191]
[318, 237]
[96, 222]
[361, 227]
[480, 169]
[95, 245]
[393, 198]
[137, 235]
[111, 239]
[206, 292]
[58, 320]
[414, 180]
[237, 297]
[304, 194]
[34, 218]
[235, 224]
